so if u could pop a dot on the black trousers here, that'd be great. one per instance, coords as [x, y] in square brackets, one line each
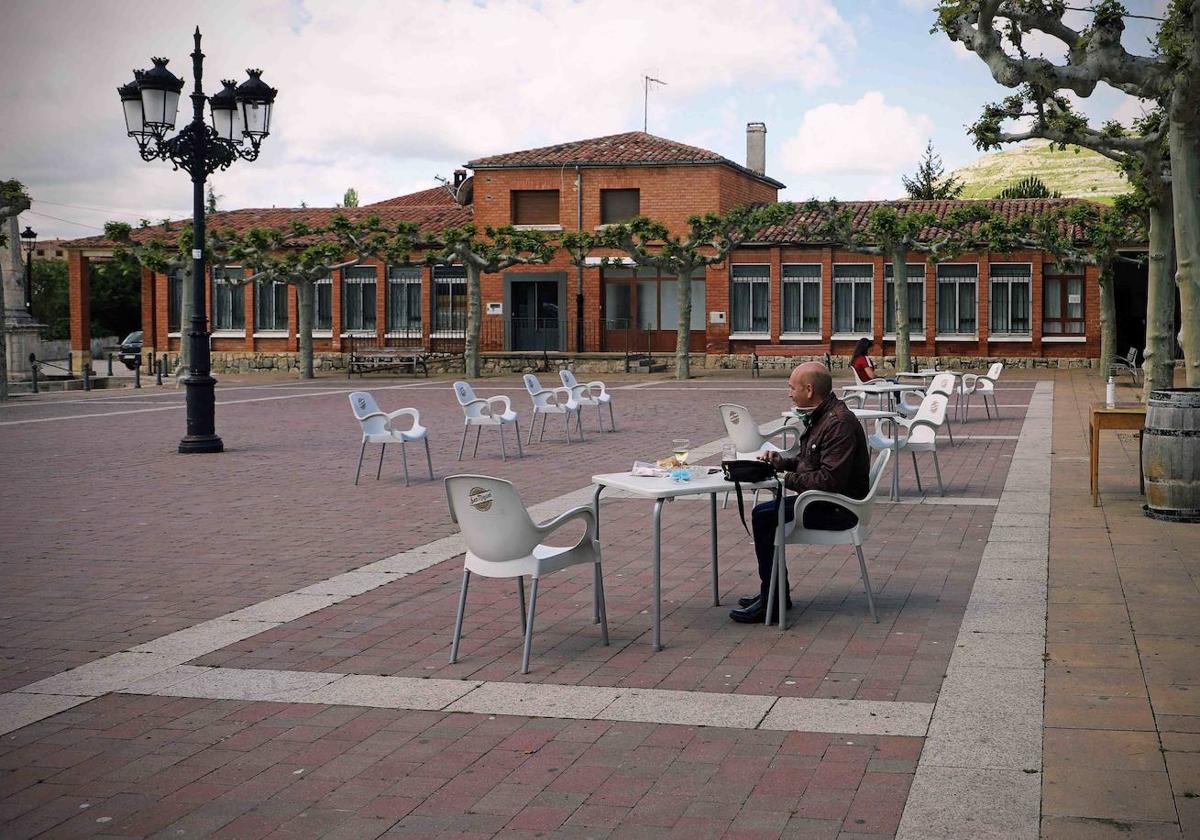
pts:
[820, 516]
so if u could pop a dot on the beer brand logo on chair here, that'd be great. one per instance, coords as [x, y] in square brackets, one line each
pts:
[480, 499]
[734, 419]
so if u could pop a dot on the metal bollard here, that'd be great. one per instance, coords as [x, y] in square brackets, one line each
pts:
[137, 374]
[34, 365]
[110, 364]
[158, 371]
[87, 377]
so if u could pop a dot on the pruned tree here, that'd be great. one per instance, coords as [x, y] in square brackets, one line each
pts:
[930, 182]
[1029, 187]
[1143, 155]
[497, 249]
[350, 198]
[166, 251]
[896, 230]
[1170, 76]
[301, 255]
[13, 201]
[708, 240]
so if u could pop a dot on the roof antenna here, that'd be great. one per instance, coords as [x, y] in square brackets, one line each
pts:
[646, 80]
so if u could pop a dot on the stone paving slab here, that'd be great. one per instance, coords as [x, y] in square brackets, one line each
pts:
[865, 716]
[689, 708]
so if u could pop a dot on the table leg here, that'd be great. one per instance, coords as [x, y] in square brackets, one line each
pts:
[1141, 468]
[596, 571]
[1094, 458]
[781, 590]
[895, 461]
[712, 523]
[657, 573]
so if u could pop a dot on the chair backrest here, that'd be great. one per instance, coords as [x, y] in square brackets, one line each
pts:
[464, 392]
[877, 472]
[493, 520]
[741, 428]
[943, 383]
[364, 405]
[994, 371]
[860, 378]
[1131, 357]
[568, 378]
[933, 409]
[540, 396]
[855, 399]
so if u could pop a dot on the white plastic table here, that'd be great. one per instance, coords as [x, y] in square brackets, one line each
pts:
[881, 388]
[893, 418]
[661, 490]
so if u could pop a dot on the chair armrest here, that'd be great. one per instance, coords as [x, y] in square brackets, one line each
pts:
[979, 379]
[584, 512]
[565, 392]
[499, 398]
[855, 506]
[598, 384]
[404, 412]
[913, 424]
[373, 414]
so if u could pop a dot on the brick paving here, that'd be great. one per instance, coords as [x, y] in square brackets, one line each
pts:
[278, 512]
[1122, 714]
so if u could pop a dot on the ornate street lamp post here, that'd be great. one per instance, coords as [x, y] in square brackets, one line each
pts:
[29, 240]
[241, 120]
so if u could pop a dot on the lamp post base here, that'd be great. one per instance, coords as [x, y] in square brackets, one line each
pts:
[193, 444]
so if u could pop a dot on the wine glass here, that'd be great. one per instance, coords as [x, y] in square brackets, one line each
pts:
[680, 448]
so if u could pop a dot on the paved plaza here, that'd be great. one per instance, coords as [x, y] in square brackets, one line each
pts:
[247, 645]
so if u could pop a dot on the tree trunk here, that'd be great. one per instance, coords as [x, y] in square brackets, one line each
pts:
[474, 319]
[305, 294]
[3, 338]
[1158, 363]
[1185, 188]
[185, 319]
[1108, 317]
[900, 298]
[683, 335]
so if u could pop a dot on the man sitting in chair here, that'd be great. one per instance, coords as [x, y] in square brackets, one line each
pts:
[833, 457]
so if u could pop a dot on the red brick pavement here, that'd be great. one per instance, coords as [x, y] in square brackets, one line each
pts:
[125, 766]
[113, 540]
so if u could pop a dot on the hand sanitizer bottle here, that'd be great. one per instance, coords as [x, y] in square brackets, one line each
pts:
[1110, 393]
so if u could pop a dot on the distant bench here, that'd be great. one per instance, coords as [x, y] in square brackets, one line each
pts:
[364, 359]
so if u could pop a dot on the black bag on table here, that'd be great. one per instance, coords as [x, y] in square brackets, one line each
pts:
[746, 471]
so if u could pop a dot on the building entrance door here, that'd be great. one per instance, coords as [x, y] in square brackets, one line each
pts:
[534, 319]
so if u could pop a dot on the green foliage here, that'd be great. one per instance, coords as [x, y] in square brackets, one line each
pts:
[1030, 187]
[116, 297]
[929, 182]
[51, 302]
[13, 201]
[210, 200]
[350, 199]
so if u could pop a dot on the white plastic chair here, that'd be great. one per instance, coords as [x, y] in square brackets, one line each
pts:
[794, 532]
[911, 401]
[749, 438]
[547, 401]
[478, 411]
[985, 386]
[377, 428]
[920, 434]
[503, 542]
[590, 393]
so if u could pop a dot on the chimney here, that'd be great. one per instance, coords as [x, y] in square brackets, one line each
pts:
[460, 175]
[756, 147]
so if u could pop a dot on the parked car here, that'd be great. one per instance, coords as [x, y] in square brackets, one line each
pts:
[130, 350]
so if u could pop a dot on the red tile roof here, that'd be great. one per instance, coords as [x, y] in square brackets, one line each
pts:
[429, 217]
[793, 231]
[438, 196]
[633, 148]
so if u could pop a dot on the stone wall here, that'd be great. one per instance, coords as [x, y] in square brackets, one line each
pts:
[495, 364]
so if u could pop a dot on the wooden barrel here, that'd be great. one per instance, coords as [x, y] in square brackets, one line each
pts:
[1171, 455]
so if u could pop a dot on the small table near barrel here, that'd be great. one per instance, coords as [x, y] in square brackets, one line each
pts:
[1132, 417]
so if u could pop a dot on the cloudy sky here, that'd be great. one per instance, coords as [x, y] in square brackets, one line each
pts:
[383, 95]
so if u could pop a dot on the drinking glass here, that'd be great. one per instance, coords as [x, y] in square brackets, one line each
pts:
[680, 448]
[728, 452]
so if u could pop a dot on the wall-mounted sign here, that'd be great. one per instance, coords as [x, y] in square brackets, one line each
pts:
[716, 317]
[1073, 298]
[495, 309]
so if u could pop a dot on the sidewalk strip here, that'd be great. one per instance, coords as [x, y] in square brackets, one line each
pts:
[980, 770]
[574, 702]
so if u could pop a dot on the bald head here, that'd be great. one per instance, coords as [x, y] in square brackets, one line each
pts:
[809, 384]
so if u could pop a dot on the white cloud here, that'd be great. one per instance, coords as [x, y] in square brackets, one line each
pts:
[382, 93]
[867, 136]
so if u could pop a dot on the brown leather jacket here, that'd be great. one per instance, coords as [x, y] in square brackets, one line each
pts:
[834, 456]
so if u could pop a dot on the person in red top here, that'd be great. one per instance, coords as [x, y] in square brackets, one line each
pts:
[864, 368]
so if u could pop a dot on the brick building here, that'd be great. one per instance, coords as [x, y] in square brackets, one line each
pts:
[780, 297]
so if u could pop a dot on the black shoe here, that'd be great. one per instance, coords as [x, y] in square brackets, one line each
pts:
[751, 600]
[756, 613]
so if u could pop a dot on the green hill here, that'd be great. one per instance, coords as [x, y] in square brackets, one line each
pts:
[1075, 172]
